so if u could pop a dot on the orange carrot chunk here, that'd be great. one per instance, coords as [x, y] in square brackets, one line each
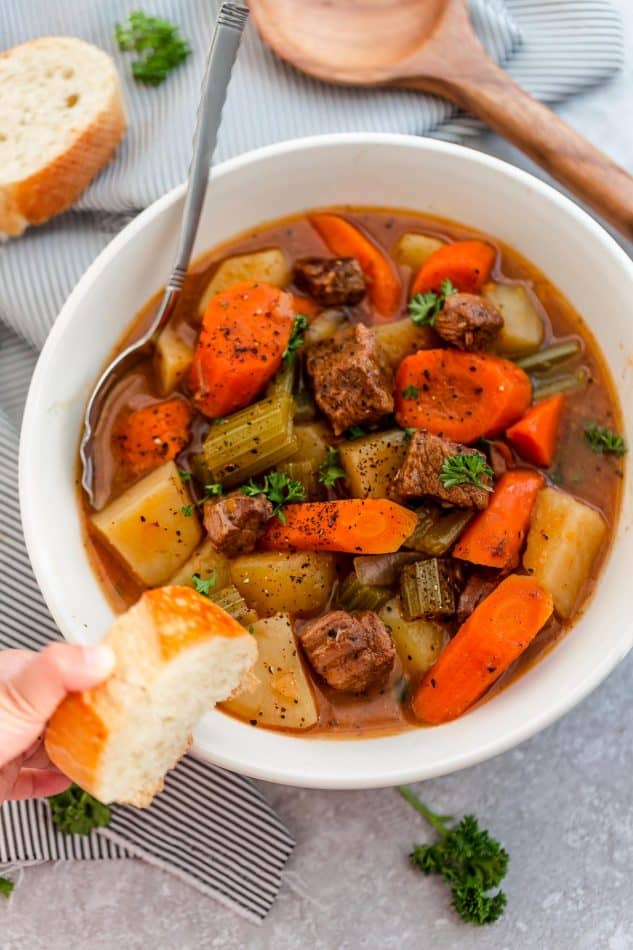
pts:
[306, 306]
[245, 331]
[345, 240]
[495, 634]
[154, 434]
[534, 436]
[467, 264]
[353, 526]
[463, 396]
[495, 537]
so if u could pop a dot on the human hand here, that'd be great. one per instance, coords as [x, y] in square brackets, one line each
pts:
[32, 685]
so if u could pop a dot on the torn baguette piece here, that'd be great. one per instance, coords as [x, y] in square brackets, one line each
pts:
[177, 655]
[61, 119]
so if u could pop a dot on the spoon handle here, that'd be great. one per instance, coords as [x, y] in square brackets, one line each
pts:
[225, 42]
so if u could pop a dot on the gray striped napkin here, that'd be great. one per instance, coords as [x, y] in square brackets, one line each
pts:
[210, 827]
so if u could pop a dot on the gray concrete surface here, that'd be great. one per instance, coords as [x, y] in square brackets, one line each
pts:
[561, 803]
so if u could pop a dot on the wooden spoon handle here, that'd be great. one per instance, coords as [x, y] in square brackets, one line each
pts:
[489, 93]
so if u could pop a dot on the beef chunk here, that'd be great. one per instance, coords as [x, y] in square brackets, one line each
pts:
[350, 652]
[477, 589]
[501, 458]
[420, 472]
[468, 321]
[235, 522]
[351, 380]
[332, 282]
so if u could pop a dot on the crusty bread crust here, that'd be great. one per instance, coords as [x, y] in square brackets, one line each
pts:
[56, 186]
[155, 632]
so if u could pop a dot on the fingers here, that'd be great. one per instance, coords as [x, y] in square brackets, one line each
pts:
[30, 695]
[38, 783]
[12, 661]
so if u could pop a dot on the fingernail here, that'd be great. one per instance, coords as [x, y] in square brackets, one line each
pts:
[99, 660]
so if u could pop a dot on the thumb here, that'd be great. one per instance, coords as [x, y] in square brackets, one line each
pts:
[31, 695]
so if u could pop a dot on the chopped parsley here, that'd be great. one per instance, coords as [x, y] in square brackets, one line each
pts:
[604, 440]
[6, 886]
[466, 856]
[423, 308]
[410, 392]
[465, 470]
[205, 586]
[329, 469]
[184, 475]
[409, 433]
[355, 432]
[159, 45]
[279, 490]
[75, 812]
[187, 511]
[296, 337]
[213, 491]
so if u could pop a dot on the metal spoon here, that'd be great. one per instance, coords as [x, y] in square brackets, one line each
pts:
[225, 42]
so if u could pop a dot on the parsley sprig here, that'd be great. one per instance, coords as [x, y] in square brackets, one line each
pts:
[206, 585]
[159, 45]
[465, 469]
[604, 440]
[6, 886]
[279, 490]
[329, 469]
[423, 308]
[295, 342]
[75, 812]
[468, 859]
[355, 432]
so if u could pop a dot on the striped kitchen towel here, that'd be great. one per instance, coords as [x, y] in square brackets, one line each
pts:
[211, 828]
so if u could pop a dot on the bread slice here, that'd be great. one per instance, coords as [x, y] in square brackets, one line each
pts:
[177, 654]
[61, 119]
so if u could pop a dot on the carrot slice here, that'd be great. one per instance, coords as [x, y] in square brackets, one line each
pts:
[463, 396]
[496, 633]
[354, 526]
[467, 264]
[345, 240]
[306, 306]
[534, 436]
[154, 434]
[495, 537]
[245, 331]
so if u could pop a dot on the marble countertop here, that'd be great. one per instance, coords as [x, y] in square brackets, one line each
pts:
[561, 803]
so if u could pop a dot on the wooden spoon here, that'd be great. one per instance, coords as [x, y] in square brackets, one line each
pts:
[430, 45]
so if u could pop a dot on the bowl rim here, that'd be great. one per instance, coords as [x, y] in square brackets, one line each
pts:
[374, 776]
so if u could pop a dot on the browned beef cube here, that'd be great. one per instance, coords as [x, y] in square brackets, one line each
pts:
[477, 589]
[352, 383]
[420, 472]
[235, 522]
[350, 652]
[332, 282]
[468, 322]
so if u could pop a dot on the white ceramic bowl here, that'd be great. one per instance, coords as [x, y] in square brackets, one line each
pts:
[357, 169]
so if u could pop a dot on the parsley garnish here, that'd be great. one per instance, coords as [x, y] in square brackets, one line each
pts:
[187, 511]
[468, 859]
[409, 433]
[355, 432]
[295, 342]
[410, 392]
[6, 886]
[184, 475]
[279, 490]
[465, 470]
[158, 42]
[604, 440]
[329, 469]
[213, 491]
[75, 812]
[205, 586]
[423, 308]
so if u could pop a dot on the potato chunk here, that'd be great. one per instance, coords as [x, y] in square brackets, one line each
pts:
[173, 358]
[400, 338]
[523, 328]
[269, 267]
[283, 696]
[206, 562]
[418, 642]
[371, 463]
[313, 441]
[563, 542]
[281, 582]
[412, 250]
[147, 528]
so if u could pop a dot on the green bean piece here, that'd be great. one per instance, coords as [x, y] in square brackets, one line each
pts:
[250, 441]
[543, 360]
[436, 533]
[427, 590]
[354, 595]
[230, 600]
[563, 383]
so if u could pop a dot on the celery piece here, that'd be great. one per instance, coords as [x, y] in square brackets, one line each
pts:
[250, 441]
[231, 601]
[354, 595]
[427, 590]
[563, 383]
[436, 533]
[305, 406]
[284, 379]
[305, 473]
[542, 360]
